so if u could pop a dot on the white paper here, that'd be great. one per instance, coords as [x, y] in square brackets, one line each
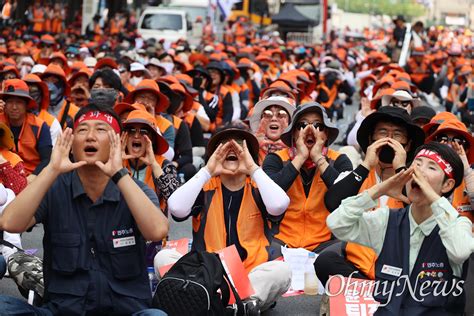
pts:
[300, 261]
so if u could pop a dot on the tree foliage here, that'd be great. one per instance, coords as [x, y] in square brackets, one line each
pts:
[408, 8]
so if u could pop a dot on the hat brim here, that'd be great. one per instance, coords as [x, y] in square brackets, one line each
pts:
[262, 105]
[332, 130]
[7, 139]
[415, 133]
[466, 135]
[386, 99]
[31, 104]
[162, 104]
[234, 133]
[160, 145]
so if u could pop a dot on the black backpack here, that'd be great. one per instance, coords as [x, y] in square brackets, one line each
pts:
[190, 287]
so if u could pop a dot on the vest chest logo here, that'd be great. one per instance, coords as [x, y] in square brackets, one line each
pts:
[391, 270]
[122, 232]
[122, 238]
[124, 242]
[434, 270]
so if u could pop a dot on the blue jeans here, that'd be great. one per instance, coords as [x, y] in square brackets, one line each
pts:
[13, 306]
[3, 266]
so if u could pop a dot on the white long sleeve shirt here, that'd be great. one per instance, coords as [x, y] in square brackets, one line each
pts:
[181, 201]
[355, 221]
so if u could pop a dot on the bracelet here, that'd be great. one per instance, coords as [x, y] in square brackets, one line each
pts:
[398, 170]
[119, 175]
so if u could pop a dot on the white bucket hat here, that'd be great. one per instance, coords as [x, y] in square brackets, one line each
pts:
[400, 95]
[261, 105]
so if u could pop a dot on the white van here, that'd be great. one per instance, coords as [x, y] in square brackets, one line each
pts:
[162, 23]
[194, 8]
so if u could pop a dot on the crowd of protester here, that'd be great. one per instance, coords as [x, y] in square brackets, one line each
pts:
[106, 134]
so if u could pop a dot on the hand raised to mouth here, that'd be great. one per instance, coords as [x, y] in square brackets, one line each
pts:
[215, 164]
[123, 146]
[246, 163]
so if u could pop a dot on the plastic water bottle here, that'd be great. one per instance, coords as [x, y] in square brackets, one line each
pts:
[153, 279]
[181, 178]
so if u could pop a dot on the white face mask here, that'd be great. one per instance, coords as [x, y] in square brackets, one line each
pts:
[168, 66]
[368, 92]
[134, 81]
[25, 70]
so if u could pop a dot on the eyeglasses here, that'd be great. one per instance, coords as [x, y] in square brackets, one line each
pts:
[268, 114]
[134, 131]
[455, 139]
[396, 135]
[400, 104]
[317, 125]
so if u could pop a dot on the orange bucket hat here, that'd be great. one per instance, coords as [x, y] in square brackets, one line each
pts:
[160, 145]
[17, 88]
[436, 121]
[149, 85]
[34, 79]
[55, 70]
[457, 127]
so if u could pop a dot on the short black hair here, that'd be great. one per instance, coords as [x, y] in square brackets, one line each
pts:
[109, 77]
[96, 107]
[448, 154]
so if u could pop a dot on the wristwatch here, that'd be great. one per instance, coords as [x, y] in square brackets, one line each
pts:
[119, 175]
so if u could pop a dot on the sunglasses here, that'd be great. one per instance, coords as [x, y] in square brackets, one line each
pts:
[268, 114]
[134, 131]
[401, 104]
[317, 125]
[455, 139]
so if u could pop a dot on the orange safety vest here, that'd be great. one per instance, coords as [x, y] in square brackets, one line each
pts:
[209, 227]
[149, 172]
[71, 113]
[240, 33]
[462, 203]
[208, 96]
[162, 123]
[418, 72]
[26, 147]
[363, 258]
[57, 25]
[149, 178]
[189, 119]
[176, 122]
[98, 35]
[304, 223]
[7, 10]
[47, 117]
[38, 14]
[332, 93]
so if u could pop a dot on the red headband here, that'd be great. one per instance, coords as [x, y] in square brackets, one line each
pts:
[445, 166]
[99, 116]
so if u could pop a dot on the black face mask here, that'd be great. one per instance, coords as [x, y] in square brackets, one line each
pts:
[197, 81]
[104, 96]
[386, 154]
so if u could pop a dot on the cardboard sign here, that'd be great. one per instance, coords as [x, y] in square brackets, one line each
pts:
[351, 297]
[235, 269]
[180, 245]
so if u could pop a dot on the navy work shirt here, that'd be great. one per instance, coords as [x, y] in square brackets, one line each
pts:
[94, 254]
